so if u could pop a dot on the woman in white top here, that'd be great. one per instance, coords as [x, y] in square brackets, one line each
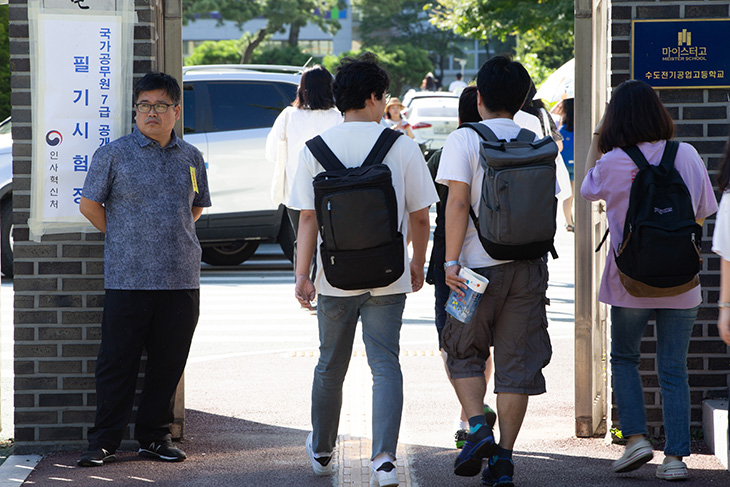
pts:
[721, 246]
[312, 112]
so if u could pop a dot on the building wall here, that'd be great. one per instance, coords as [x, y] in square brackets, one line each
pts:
[701, 119]
[58, 282]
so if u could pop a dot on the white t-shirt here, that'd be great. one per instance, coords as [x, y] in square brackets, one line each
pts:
[301, 125]
[414, 190]
[721, 236]
[457, 86]
[460, 162]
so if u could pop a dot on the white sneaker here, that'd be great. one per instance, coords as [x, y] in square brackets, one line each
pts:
[322, 465]
[385, 476]
[634, 457]
[672, 470]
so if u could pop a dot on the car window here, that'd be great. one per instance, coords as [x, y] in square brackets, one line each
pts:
[238, 105]
[435, 107]
[5, 127]
[189, 108]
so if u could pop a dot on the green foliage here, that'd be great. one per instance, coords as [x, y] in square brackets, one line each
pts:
[403, 22]
[278, 14]
[4, 64]
[216, 52]
[406, 64]
[287, 55]
[545, 28]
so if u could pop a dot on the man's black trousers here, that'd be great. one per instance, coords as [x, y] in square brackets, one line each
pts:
[162, 322]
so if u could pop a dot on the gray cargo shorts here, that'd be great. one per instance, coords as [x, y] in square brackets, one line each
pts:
[511, 317]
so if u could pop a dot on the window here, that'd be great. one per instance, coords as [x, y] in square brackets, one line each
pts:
[239, 105]
[189, 108]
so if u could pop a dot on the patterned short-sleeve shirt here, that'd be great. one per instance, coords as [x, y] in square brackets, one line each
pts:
[148, 193]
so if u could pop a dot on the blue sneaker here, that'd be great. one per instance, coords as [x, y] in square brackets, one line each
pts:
[478, 445]
[499, 472]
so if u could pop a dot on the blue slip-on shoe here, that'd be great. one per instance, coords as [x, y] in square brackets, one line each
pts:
[478, 445]
[498, 472]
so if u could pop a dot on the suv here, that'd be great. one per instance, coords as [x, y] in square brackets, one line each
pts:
[228, 113]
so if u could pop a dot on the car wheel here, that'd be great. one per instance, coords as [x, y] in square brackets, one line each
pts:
[6, 237]
[232, 254]
[286, 238]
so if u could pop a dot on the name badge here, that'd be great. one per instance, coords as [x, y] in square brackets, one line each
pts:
[194, 179]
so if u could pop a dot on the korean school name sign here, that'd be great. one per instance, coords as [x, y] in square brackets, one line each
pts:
[681, 53]
[81, 83]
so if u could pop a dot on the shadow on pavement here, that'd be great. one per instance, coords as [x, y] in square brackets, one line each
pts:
[222, 452]
[575, 463]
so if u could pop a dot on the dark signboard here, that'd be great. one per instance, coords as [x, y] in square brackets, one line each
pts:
[681, 53]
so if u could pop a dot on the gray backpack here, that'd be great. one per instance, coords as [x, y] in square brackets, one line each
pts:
[518, 207]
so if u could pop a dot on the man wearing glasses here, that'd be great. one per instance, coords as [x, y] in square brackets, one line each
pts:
[145, 191]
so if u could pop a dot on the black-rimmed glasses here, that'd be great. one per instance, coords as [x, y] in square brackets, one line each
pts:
[158, 107]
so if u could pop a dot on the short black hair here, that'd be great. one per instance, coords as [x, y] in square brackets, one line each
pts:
[315, 89]
[635, 114]
[503, 84]
[156, 80]
[357, 79]
[468, 111]
[458, 75]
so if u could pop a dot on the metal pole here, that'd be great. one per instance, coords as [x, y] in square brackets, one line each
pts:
[584, 294]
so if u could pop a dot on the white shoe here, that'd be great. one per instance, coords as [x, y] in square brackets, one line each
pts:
[672, 470]
[322, 465]
[385, 476]
[634, 457]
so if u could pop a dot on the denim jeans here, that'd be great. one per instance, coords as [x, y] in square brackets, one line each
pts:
[382, 317]
[673, 331]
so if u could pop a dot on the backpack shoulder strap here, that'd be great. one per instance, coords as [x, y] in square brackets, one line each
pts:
[637, 156]
[525, 135]
[483, 131]
[324, 155]
[385, 141]
[670, 153]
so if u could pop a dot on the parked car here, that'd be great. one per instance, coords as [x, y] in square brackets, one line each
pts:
[6, 198]
[433, 115]
[228, 110]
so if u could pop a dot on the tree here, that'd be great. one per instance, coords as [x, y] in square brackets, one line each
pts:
[543, 27]
[4, 64]
[404, 22]
[278, 14]
[405, 63]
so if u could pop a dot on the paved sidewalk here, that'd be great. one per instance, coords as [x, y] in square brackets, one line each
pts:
[248, 418]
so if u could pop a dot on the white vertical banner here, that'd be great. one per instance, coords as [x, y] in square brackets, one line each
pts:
[81, 85]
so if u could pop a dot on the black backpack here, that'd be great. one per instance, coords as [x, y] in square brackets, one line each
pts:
[357, 213]
[518, 206]
[660, 251]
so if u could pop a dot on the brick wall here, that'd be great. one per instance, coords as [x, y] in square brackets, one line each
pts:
[58, 283]
[701, 119]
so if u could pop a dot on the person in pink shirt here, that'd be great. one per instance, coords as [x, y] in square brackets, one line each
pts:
[636, 117]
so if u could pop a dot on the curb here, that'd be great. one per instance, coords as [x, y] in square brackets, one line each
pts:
[17, 468]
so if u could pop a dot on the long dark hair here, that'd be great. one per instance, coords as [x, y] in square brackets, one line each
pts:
[567, 112]
[635, 114]
[723, 178]
[315, 89]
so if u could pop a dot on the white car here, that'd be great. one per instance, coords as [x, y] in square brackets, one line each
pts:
[6, 198]
[228, 111]
[433, 115]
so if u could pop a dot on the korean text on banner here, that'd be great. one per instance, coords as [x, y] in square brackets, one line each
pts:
[81, 101]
